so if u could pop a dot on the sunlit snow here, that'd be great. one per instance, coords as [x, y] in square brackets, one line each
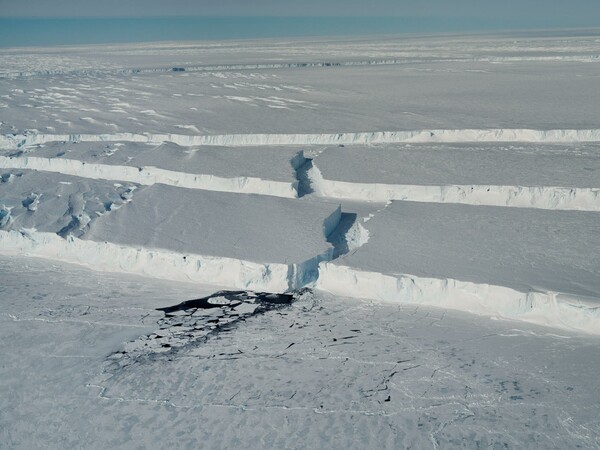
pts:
[318, 243]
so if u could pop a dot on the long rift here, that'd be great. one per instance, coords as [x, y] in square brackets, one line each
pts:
[135, 228]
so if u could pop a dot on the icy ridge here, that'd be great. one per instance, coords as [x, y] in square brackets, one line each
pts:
[221, 271]
[199, 68]
[14, 141]
[542, 197]
[546, 308]
[295, 65]
[150, 175]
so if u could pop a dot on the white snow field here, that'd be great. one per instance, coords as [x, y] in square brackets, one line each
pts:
[449, 83]
[56, 203]
[385, 242]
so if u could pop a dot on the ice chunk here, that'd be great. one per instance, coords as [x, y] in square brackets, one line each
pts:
[246, 227]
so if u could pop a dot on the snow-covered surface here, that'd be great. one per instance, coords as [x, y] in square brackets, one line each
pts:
[556, 46]
[497, 120]
[269, 171]
[222, 162]
[112, 160]
[537, 265]
[15, 141]
[525, 248]
[545, 197]
[248, 227]
[566, 165]
[56, 203]
[242, 241]
[451, 83]
[323, 372]
[559, 176]
[150, 175]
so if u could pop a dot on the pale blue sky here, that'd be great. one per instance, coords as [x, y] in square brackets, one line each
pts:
[570, 11]
[95, 22]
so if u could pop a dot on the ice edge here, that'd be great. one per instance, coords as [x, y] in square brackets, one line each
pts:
[552, 309]
[541, 197]
[165, 264]
[150, 175]
[13, 141]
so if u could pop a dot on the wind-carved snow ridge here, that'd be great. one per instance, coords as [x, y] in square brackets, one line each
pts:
[151, 175]
[546, 308]
[15, 141]
[544, 197]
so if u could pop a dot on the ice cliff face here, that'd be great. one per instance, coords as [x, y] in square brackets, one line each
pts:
[544, 197]
[548, 308]
[226, 239]
[152, 175]
[288, 65]
[360, 138]
[531, 264]
[157, 263]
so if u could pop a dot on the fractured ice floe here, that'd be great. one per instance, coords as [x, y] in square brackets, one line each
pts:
[245, 227]
[241, 241]
[194, 321]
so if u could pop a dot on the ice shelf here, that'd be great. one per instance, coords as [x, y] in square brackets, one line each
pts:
[236, 240]
[535, 265]
[558, 176]
[267, 171]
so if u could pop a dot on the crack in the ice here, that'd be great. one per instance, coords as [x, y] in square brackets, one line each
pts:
[340, 238]
[315, 409]
[303, 177]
